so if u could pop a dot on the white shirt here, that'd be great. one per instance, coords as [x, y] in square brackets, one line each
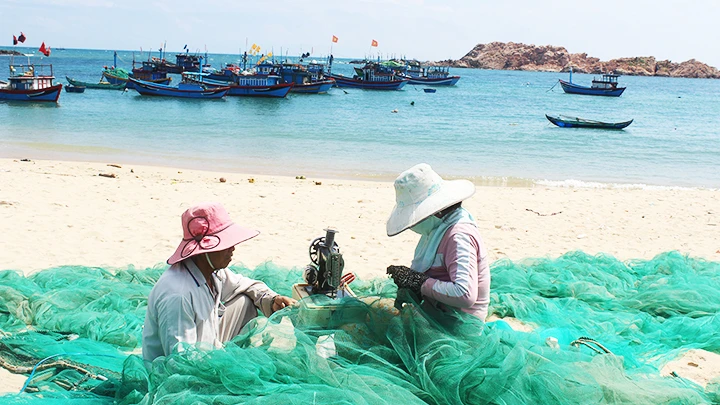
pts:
[181, 307]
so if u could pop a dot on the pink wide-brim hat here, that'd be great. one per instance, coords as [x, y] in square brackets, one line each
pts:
[208, 228]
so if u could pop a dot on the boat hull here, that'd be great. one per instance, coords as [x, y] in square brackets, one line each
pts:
[152, 89]
[313, 88]
[101, 85]
[48, 94]
[342, 81]
[581, 123]
[440, 81]
[276, 91]
[130, 85]
[571, 88]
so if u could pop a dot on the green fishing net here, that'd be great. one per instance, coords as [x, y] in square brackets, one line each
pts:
[84, 325]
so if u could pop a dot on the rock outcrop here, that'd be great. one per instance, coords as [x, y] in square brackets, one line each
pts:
[514, 56]
[6, 52]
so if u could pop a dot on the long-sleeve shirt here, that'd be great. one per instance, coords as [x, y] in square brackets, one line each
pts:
[460, 274]
[181, 307]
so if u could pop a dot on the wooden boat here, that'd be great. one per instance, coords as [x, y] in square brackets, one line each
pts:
[606, 86]
[182, 90]
[262, 81]
[74, 89]
[147, 71]
[575, 122]
[372, 76]
[430, 75]
[30, 83]
[304, 79]
[426, 90]
[100, 85]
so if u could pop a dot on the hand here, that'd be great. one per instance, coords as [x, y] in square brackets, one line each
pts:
[405, 277]
[280, 301]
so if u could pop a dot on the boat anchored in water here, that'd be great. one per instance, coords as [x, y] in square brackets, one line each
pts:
[564, 121]
[182, 90]
[430, 75]
[30, 83]
[606, 86]
[372, 76]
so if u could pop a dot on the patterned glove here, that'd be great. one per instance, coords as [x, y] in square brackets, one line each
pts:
[405, 277]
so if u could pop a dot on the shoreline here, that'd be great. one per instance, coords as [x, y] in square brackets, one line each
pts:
[70, 156]
[65, 214]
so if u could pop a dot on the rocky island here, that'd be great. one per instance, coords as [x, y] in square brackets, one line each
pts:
[515, 56]
[6, 52]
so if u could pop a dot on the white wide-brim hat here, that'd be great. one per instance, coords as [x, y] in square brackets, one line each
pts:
[420, 193]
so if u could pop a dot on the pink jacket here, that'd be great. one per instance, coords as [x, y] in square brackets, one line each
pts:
[460, 274]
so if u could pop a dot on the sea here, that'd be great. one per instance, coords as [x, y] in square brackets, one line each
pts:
[489, 128]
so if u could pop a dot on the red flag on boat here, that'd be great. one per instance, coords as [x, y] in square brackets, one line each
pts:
[44, 50]
[21, 38]
[374, 43]
[14, 40]
[335, 39]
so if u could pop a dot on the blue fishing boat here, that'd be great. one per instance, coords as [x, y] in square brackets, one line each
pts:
[430, 75]
[261, 81]
[30, 83]
[575, 122]
[372, 76]
[304, 79]
[606, 86]
[182, 90]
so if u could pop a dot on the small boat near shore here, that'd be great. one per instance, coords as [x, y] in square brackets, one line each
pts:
[430, 75]
[563, 121]
[606, 86]
[30, 83]
[100, 85]
[74, 89]
[182, 90]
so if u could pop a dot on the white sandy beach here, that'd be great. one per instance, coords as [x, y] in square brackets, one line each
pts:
[64, 213]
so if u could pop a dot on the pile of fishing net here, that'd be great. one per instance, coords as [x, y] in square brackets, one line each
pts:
[85, 323]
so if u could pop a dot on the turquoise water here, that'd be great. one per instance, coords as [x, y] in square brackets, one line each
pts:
[490, 127]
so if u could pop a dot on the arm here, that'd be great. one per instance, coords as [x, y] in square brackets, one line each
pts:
[176, 322]
[461, 262]
[258, 291]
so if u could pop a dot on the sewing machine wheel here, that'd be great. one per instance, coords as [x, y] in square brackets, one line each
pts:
[315, 248]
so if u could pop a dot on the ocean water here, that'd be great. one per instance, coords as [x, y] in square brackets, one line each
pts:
[491, 128]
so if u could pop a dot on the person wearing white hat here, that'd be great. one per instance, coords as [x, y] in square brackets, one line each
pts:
[451, 266]
[197, 300]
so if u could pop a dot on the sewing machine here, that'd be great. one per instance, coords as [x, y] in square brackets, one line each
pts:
[325, 284]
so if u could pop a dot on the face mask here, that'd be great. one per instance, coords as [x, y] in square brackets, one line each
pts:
[427, 225]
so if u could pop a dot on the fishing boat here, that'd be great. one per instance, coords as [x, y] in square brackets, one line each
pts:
[430, 75]
[182, 90]
[261, 81]
[606, 86]
[574, 122]
[304, 79]
[74, 89]
[30, 83]
[100, 85]
[183, 63]
[148, 71]
[372, 76]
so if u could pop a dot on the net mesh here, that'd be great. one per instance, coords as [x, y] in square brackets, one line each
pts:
[86, 323]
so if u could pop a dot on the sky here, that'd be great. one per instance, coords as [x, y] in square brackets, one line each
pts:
[677, 30]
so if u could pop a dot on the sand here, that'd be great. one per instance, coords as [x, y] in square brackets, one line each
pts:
[65, 213]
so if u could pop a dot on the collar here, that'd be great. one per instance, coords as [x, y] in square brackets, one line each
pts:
[194, 271]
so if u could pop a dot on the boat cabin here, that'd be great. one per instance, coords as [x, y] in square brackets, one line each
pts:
[30, 77]
[373, 72]
[608, 82]
[187, 62]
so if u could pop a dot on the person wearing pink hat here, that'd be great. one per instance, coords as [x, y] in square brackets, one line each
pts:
[197, 300]
[451, 268]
